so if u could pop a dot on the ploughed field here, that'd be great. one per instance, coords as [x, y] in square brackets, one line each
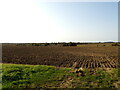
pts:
[74, 56]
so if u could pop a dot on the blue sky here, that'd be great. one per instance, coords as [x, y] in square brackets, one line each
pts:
[61, 21]
[85, 21]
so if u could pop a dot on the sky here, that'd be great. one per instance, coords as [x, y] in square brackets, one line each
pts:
[27, 21]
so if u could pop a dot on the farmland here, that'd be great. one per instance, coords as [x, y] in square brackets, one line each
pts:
[85, 56]
[56, 66]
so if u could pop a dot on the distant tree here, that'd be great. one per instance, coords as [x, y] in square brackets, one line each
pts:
[46, 44]
[70, 44]
[115, 44]
[65, 44]
[36, 44]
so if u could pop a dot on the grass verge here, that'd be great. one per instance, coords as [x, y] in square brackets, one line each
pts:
[41, 76]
